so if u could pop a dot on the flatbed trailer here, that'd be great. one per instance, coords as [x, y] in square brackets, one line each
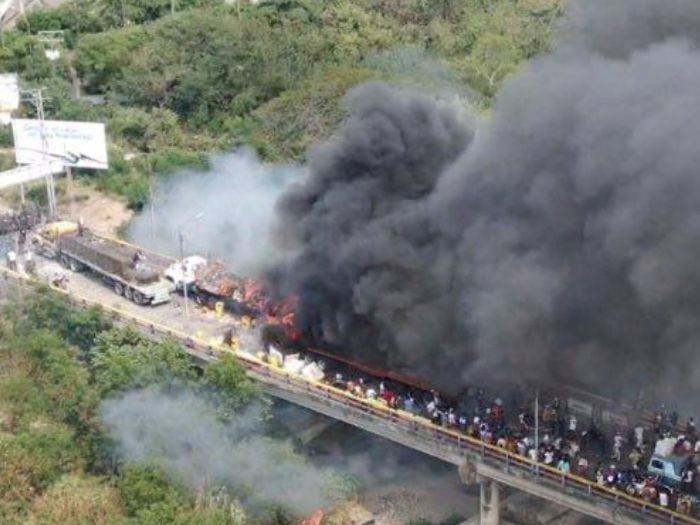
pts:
[123, 267]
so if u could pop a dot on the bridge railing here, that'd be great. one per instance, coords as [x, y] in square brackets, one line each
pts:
[416, 425]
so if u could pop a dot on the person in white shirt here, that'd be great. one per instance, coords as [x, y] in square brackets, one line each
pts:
[548, 457]
[617, 446]
[451, 418]
[522, 449]
[639, 437]
[12, 260]
[533, 454]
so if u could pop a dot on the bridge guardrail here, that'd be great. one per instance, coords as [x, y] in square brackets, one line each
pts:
[413, 423]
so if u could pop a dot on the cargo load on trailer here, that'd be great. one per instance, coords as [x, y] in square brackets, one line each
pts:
[45, 239]
[214, 282]
[125, 268]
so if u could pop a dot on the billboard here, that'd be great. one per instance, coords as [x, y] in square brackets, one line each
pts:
[75, 144]
[9, 95]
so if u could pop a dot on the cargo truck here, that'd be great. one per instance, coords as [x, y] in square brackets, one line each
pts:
[210, 282]
[125, 268]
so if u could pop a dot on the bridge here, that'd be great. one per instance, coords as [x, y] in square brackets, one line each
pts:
[490, 466]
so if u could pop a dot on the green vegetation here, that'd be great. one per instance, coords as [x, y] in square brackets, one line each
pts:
[57, 364]
[272, 75]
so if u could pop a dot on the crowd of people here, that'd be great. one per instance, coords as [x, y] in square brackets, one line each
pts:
[616, 458]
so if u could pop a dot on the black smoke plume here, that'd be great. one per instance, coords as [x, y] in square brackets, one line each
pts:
[558, 238]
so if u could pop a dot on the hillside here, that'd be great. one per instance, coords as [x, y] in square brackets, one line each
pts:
[173, 88]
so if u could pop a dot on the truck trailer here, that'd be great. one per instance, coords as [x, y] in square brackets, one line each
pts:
[210, 282]
[125, 268]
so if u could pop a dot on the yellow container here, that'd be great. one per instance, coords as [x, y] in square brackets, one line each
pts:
[219, 309]
[54, 230]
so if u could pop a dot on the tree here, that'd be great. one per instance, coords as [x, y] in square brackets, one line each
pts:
[32, 460]
[143, 487]
[228, 383]
[48, 309]
[122, 359]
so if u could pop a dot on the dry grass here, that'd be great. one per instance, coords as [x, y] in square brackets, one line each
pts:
[78, 501]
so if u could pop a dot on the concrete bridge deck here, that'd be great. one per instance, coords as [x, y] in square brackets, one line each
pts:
[477, 461]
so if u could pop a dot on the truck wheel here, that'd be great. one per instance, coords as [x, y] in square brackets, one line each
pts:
[75, 266]
[118, 288]
[199, 300]
[128, 293]
[139, 298]
[65, 261]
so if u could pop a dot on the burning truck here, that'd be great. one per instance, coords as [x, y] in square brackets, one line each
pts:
[211, 282]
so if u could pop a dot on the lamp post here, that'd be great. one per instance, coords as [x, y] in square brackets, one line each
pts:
[537, 429]
[181, 241]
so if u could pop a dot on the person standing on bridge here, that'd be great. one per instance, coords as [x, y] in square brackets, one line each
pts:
[639, 437]
[29, 263]
[690, 428]
[564, 466]
[687, 479]
[12, 260]
[618, 440]
[635, 457]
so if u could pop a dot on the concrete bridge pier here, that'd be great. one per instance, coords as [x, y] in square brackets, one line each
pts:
[490, 502]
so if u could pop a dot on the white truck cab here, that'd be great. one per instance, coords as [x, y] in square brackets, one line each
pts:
[668, 465]
[182, 273]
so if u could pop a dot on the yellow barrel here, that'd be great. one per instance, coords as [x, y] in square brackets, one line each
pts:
[219, 309]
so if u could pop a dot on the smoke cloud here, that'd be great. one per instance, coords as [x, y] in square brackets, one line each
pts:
[234, 201]
[557, 238]
[182, 433]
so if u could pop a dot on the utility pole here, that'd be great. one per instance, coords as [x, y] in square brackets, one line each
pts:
[172, 7]
[151, 198]
[52, 42]
[36, 97]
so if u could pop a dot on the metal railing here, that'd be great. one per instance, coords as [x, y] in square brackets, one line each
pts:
[417, 426]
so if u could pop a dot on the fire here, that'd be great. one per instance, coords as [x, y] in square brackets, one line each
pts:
[275, 312]
[283, 313]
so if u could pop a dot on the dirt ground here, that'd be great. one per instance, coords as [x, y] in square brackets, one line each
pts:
[102, 213]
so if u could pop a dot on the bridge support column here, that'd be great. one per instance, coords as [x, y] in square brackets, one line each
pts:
[490, 502]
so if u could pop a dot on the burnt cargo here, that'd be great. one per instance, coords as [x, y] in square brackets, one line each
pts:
[215, 280]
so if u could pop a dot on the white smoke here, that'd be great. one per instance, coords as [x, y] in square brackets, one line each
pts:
[226, 212]
[181, 432]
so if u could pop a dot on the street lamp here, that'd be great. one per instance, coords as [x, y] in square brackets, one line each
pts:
[537, 430]
[181, 241]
